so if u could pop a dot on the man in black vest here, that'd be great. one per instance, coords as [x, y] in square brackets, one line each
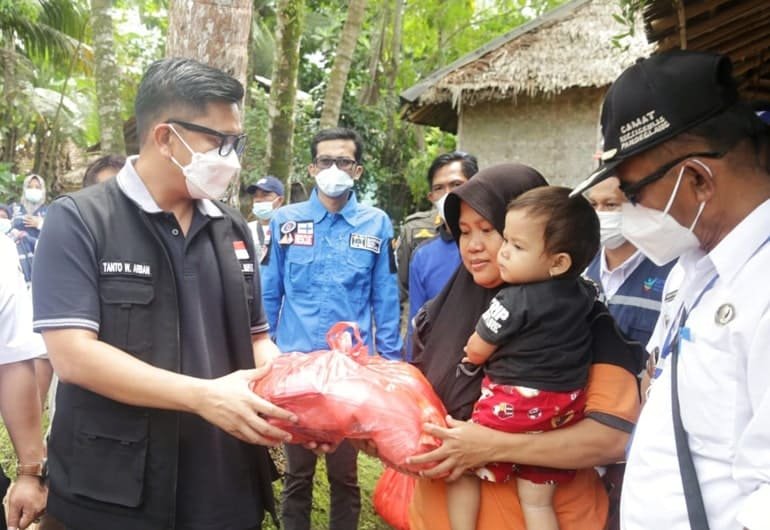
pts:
[147, 293]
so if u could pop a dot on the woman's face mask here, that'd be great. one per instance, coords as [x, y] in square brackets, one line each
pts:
[5, 225]
[655, 233]
[208, 174]
[33, 195]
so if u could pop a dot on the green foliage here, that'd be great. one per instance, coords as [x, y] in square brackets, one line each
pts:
[629, 11]
[10, 184]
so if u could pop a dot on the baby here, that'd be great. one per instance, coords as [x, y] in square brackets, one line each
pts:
[534, 344]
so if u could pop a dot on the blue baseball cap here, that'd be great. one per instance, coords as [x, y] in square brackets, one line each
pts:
[268, 184]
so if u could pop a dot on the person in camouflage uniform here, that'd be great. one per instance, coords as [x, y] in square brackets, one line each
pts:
[422, 226]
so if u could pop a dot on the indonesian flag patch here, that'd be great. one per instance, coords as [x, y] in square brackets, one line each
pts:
[240, 250]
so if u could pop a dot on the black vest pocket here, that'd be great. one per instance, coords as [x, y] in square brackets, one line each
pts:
[109, 456]
[126, 316]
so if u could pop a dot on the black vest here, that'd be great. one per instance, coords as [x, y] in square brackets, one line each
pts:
[114, 465]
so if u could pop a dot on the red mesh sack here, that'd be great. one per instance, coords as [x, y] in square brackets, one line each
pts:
[345, 393]
[392, 497]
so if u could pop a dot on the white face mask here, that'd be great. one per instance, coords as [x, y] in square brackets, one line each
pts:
[655, 233]
[263, 210]
[33, 195]
[208, 174]
[439, 205]
[5, 225]
[610, 234]
[333, 182]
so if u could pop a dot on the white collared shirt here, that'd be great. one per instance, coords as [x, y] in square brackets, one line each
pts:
[612, 280]
[17, 341]
[724, 391]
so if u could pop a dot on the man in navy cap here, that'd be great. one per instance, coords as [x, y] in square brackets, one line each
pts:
[691, 158]
[267, 197]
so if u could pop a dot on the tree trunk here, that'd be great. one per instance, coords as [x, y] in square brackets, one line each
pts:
[214, 32]
[371, 92]
[107, 80]
[341, 65]
[283, 89]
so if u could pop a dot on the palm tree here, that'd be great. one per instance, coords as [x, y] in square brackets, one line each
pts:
[341, 66]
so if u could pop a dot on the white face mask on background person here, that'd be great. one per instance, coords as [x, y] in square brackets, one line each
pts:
[333, 182]
[208, 174]
[655, 233]
[610, 225]
[33, 195]
[5, 225]
[439, 205]
[263, 210]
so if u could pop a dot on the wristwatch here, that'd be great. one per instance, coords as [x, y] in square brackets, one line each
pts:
[34, 469]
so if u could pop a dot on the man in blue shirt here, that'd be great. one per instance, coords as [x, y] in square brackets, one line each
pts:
[330, 260]
[434, 261]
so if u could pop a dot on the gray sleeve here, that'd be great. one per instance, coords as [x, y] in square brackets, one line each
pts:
[65, 278]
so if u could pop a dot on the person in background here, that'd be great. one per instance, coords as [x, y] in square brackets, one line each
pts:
[436, 259]
[330, 260]
[631, 285]
[6, 224]
[28, 216]
[103, 169]
[267, 196]
[691, 159]
[19, 399]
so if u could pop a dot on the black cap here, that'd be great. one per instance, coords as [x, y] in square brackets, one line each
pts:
[658, 98]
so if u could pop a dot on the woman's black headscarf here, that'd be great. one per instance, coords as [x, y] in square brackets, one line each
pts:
[444, 326]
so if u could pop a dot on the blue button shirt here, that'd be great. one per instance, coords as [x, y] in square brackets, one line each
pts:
[432, 265]
[325, 267]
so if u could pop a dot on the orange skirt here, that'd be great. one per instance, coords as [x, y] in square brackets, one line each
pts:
[581, 504]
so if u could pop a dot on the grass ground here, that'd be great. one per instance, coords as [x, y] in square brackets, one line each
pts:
[369, 470]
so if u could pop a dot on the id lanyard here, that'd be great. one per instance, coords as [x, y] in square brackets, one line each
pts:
[678, 332]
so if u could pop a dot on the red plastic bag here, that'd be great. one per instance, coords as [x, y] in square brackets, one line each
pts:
[344, 393]
[392, 497]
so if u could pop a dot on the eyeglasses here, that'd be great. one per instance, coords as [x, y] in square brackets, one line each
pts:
[631, 190]
[227, 142]
[343, 163]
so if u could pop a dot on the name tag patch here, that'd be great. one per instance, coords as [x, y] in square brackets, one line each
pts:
[125, 268]
[240, 250]
[364, 242]
[247, 268]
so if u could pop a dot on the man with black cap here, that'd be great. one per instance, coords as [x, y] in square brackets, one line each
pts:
[688, 154]
[267, 197]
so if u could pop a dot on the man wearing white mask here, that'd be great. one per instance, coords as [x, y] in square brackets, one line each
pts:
[631, 284]
[147, 293]
[330, 260]
[435, 260]
[267, 197]
[692, 160]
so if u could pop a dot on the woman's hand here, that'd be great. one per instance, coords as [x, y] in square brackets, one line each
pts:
[465, 445]
[33, 221]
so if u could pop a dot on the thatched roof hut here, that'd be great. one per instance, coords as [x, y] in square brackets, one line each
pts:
[533, 94]
[568, 47]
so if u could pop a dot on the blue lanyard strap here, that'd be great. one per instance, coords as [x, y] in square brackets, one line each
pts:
[677, 332]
